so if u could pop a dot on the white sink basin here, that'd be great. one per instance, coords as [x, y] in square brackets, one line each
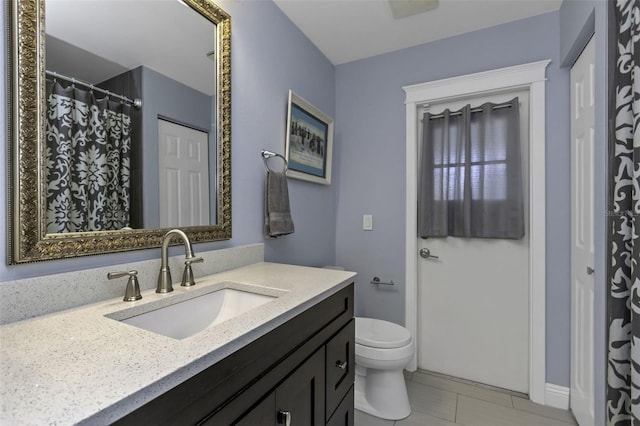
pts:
[186, 318]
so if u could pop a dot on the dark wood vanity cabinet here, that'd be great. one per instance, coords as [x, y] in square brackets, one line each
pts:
[340, 366]
[302, 371]
[300, 398]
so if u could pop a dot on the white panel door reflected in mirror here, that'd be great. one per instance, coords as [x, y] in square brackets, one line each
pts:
[184, 175]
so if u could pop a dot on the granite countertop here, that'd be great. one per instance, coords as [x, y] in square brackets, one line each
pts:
[80, 366]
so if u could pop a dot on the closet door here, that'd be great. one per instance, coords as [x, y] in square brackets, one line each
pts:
[582, 245]
[184, 175]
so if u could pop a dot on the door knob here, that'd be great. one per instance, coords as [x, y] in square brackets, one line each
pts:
[590, 270]
[426, 254]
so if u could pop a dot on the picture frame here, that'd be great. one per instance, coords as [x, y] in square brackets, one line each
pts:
[309, 141]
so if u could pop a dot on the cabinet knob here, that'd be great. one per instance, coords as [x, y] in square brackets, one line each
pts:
[342, 365]
[284, 417]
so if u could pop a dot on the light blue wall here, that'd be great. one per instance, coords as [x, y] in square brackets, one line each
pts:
[579, 20]
[269, 57]
[272, 56]
[577, 25]
[371, 131]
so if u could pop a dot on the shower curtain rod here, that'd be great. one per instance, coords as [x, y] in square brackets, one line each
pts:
[137, 103]
[433, 117]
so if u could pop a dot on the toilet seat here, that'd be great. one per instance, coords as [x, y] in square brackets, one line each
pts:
[390, 355]
[381, 334]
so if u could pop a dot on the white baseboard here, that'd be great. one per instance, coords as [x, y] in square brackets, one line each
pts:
[556, 396]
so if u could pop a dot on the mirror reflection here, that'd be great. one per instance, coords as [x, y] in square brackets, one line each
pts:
[87, 174]
[130, 116]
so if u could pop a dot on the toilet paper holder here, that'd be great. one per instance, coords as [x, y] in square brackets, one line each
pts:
[376, 280]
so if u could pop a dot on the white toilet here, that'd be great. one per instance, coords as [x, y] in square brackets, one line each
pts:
[382, 349]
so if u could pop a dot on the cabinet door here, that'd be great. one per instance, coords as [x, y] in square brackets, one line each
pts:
[301, 395]
[343, 416]
[263, 414]
[340, 366]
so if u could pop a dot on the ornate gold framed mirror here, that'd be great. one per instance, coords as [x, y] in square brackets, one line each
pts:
[103, 141]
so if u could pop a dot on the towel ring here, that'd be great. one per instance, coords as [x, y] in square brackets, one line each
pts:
[269, 154]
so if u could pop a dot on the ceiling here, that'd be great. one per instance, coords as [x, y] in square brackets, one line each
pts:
[344, 30]
[347, 30]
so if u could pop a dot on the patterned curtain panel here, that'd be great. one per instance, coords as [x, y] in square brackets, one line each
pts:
[623, 375]
[87, 162]
[471, 173]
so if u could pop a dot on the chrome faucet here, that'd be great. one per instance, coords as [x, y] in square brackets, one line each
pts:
[164, 278]
[132, 293]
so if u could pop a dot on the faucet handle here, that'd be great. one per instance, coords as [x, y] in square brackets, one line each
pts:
[187, 275]
[190, 260]
[132, 293]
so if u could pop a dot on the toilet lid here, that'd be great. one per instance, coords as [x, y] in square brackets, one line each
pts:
[377, 333]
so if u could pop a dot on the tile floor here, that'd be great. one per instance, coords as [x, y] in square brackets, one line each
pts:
[439, 401]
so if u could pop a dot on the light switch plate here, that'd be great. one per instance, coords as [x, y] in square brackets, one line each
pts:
[367, 222]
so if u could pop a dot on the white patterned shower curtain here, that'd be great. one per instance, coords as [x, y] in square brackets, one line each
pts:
[87, 162]
[623, 360]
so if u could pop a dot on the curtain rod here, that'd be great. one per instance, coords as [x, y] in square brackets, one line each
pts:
[137, 103]
[433, 117]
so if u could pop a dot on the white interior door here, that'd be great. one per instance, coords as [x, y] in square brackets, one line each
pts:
[582, 247]
[473, 311]
[184, 175]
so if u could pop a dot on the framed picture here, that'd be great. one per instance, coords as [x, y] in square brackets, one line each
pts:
[309, 143]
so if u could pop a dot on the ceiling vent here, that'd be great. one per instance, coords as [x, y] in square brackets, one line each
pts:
[405, 8]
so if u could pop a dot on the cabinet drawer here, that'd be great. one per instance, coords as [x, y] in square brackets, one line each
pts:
[344, 414]
[340, 366]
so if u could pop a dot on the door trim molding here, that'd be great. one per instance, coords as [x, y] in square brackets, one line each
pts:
[529, 76]
[557, 396]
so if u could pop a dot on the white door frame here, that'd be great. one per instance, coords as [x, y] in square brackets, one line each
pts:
[531, 76]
